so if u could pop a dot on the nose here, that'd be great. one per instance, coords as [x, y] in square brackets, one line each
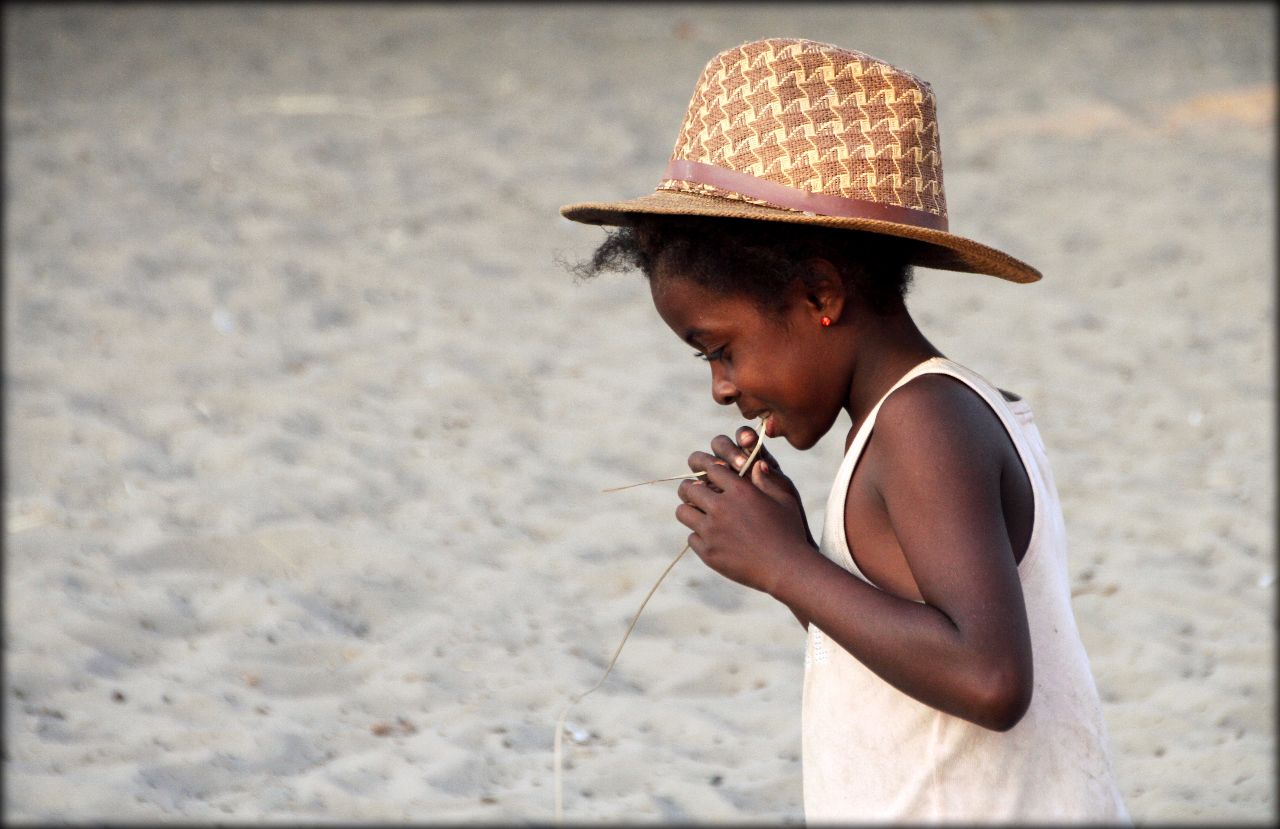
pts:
[723, 391]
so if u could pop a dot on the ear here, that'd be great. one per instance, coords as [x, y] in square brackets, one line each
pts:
[824, 290]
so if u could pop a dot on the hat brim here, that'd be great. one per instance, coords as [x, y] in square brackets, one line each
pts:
[936, 248]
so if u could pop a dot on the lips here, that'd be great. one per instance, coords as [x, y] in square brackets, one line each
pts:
[770, 425]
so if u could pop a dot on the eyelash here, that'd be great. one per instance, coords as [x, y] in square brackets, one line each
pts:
[710, 357]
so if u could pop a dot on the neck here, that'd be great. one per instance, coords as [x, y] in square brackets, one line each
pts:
[888, 347]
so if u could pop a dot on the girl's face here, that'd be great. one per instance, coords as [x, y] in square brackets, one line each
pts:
[788, 366]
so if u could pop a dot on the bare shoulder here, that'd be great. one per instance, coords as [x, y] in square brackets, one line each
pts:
[937, 418]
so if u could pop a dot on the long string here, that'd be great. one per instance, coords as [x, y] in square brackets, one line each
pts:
[559, 738]
[687, 475]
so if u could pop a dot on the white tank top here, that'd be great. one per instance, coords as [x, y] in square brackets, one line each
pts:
[872, 753]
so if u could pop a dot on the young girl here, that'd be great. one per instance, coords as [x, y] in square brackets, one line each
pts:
[945, 678]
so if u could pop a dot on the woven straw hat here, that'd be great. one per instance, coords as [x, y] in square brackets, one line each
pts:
[791, 130]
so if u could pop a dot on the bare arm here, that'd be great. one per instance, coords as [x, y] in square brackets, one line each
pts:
[966, 650]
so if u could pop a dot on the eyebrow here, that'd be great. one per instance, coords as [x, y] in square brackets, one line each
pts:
[693, 337]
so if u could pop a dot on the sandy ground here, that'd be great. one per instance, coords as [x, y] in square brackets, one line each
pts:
[306, 428]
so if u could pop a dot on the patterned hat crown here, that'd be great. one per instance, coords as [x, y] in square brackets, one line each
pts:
[805, 125]
[802, 132]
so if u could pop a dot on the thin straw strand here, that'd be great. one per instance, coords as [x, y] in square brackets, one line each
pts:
[685, 476]
[559, 737]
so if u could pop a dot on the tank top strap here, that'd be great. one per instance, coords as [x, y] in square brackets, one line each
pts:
[834, 544]
[864, 431]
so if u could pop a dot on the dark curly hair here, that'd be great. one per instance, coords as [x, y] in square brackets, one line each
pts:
[752, 258]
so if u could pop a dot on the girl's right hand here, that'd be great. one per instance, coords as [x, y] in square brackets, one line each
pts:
[735, 454]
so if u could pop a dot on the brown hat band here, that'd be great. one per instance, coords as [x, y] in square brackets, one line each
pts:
[796, 199]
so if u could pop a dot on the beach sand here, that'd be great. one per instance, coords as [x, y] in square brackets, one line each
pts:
[306, 427]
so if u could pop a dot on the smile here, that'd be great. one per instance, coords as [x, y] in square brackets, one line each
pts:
[770, 426]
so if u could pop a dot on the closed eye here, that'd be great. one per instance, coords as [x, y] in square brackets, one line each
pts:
[711, 356]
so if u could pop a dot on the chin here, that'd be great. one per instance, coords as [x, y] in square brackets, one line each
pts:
[808, 438]
[800, 441]
[802, 445]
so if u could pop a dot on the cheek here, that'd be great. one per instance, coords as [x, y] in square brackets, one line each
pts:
[803, 388]
[784, 382]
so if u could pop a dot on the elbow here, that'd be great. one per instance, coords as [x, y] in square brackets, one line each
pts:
[1004, 698]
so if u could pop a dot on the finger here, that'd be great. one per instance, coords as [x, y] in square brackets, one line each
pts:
[722, 477]
[728, 451]
[690, 517]
[703, 462]
[767, 478]
[747, 438]
[695, 493]
[763, 476]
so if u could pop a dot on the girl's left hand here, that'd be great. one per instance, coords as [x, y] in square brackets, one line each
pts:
[748, 529]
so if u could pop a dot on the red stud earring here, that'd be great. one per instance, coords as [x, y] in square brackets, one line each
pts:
[826, 321]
